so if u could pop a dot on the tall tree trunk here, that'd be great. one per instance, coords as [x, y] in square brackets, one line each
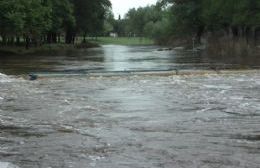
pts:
[35, 41]
[84, 38]
[69, 37]
[230, 33]
[54, 37]
[27, 42]
[17, 40]
[44, 38]
[73, 38]
[257, 36]
[235, 31]
[199, 34]
[10, 41]
[4, 39]
[59, 38]
[49, 37]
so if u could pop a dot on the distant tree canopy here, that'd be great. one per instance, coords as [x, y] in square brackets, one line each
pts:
[44, 21]
[151, 21]
[235, 17]
[192, 18]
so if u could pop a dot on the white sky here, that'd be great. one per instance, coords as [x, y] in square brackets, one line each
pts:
[122, 6]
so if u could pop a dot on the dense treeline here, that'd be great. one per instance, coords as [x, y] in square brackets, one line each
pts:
[34, 22]
[194, 20]
[46, 21]
[234, 18]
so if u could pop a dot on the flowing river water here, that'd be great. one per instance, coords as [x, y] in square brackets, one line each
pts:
[72, 119]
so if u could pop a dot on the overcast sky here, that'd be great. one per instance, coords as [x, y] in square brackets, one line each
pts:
[122, 6]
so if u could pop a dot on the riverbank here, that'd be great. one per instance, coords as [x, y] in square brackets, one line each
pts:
[51, 49]
[48, 49]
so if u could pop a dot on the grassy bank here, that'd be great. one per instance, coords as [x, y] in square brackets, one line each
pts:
[47, 49]
[122, 41]
[50, 49]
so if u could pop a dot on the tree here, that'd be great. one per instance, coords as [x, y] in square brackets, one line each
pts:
[150, 21]
[11, 19]
[28, 17]
[109, 22]
[62, 17]
[237, 17]
[90, 16]
[37, 20]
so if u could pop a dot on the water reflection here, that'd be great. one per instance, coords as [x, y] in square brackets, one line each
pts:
[121, 58]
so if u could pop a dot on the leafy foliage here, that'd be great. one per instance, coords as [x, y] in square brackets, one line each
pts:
[40, 21]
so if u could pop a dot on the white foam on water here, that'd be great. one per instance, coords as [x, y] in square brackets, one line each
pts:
[217, 86]
[7, 165]
[2, 75]
[4, 78]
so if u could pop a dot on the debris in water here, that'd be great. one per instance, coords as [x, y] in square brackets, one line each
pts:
[33, 77]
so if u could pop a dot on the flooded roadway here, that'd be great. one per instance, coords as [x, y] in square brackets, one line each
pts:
[130, 121]
[121, 58]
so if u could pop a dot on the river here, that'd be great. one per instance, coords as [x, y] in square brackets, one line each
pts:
[76, 120]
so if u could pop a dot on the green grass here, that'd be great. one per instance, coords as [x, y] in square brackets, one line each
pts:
[123, 41]
[50, 49]
[47, 49]
[20, 50]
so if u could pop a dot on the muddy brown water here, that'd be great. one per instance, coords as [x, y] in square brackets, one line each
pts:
[136, 121]
[121, 58]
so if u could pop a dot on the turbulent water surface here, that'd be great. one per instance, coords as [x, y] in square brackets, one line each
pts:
[130, 121]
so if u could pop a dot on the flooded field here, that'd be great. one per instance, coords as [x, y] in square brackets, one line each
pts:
[121, 58]
[137, 121]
